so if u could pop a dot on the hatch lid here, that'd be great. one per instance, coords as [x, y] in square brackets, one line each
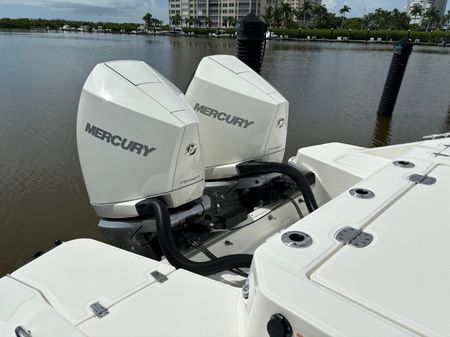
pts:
[409, 253]
[80, 277]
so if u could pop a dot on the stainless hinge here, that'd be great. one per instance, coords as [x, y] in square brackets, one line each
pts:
[419, 179]
[99, 310]
[161, 278]
[354, 237]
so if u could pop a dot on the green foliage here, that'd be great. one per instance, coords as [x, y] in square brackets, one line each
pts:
[206, 31]
[416, 10]
[176, 19]
[310, 16]
[432, 17]
[150, 21]
[26, 24]
[382, 19]
[362, 35]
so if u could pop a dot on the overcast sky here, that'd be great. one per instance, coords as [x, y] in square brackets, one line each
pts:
[134, 10]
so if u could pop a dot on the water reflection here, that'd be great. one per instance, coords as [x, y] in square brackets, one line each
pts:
[446, 127]
[333, 91]
[381, 135]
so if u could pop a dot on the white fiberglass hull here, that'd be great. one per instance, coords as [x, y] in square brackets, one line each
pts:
[395, 285]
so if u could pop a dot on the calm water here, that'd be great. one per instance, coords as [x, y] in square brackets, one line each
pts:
[333, 90]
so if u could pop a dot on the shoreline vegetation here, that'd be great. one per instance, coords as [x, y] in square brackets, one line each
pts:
[431, 37]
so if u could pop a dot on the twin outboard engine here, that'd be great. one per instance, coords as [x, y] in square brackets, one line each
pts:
[242, 117]
[145, 150]
[137, 138]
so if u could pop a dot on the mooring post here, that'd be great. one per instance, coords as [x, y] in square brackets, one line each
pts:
[402, 51]
[251, 36]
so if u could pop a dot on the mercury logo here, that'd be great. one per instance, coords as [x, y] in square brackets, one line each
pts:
[223, 116]
[280, 123]
[119, 141]
[191, 149]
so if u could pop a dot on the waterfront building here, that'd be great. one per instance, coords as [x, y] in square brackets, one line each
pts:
[426, 4]
[218, 11]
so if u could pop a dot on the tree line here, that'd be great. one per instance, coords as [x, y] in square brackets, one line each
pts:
[283, 16]
[54, 24]
[198, 22]
[310, 16]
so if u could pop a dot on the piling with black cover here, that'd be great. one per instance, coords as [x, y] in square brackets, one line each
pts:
[402, 51]
[251, 37]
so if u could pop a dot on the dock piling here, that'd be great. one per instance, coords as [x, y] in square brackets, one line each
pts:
[251, 36]
[402, 51]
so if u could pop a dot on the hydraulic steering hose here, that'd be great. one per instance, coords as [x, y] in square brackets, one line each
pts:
[297, 176]
[171, 251]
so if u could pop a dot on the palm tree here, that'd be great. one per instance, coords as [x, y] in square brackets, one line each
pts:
[154, 22]
[433, 16]
[416, 10]
[318, 13]
[208, 22]
[287, 13]
[342, 11]
[147, 19]
[232, 21]
[197, 22]
[225, 21]
[190, 21]
[305, 11]
[380, 15]
[399, 20]
[176, 19]
[268, 17]
[277, 16]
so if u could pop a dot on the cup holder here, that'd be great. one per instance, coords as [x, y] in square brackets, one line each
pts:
[362, 193]
[404, 164]
[296, 239]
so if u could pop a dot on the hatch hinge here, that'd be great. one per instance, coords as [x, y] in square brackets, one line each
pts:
[354, 237]
[161, 278]
[99, 310]
[420, 179]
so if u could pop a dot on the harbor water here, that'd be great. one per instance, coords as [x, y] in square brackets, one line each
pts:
[333, 89]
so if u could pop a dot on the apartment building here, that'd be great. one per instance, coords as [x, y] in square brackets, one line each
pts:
[216, 10]
[426, 4]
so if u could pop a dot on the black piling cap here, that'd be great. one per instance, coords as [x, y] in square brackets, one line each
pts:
[403, 47]
[250, 44]
[251, 28]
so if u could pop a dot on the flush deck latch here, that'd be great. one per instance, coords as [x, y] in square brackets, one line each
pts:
[354, 237]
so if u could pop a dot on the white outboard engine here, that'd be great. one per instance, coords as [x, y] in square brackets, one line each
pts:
[242, 117]
[142, 160]
[137, 138]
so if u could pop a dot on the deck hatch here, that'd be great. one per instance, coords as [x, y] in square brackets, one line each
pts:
[403, 274]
